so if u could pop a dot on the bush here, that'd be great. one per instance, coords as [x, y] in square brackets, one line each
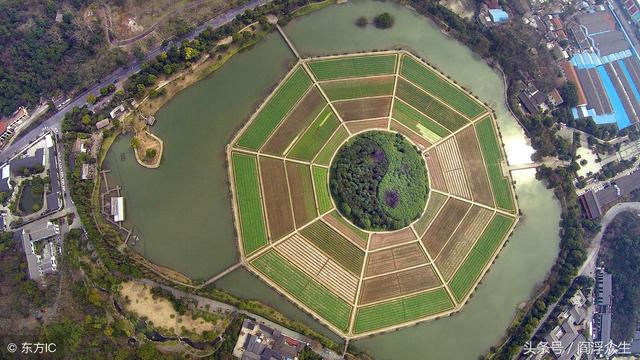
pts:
[362, 22]
[383, 21]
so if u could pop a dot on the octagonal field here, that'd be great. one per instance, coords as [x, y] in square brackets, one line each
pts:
[294, 234]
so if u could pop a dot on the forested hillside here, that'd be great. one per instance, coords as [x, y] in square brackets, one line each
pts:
[41, 56]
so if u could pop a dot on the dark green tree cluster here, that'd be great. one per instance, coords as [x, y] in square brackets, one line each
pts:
[621, 257]
[379, 181]
[383, 21]
[613, 168]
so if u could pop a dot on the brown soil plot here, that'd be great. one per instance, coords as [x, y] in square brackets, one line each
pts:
[436, 176]
[415, 138]
[304, 204]
[472, 158]
[462, 240]
[345, 230]
[276, 197]
[364, 108]
[293, 125]
[396, 284]
[302, 254]
[339, 281]
[358, 126]
[444, 225]
[393, 259]
[451, 163]
[380, 240]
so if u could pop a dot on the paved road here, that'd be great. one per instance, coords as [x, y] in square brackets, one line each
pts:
[54, 121]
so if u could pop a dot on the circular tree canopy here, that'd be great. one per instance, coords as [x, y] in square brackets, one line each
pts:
[379, 181]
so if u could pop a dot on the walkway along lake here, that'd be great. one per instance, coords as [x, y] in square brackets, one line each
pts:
[181, 210]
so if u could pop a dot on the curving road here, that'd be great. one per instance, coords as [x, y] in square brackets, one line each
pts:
[55, 120]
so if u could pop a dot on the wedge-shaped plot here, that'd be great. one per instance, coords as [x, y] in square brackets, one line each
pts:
[301, 187]
[391, 238]
[438, 86]
[430, 106]
[315, 136]
[297, 120]
[312, 295]
[276, 197]
[347, 229]
[403, 310]
[492, 152]
[474, 165]
[436, 175]
[319, 266]
[275, 109]
[462, 240]
[477, 260]
[353, 66]
[365, 125]
[321, 185]
[416, 138]
[335, 245]
[444, 225]
[418, 122]
[451, 163]
[393, 259]
[397, 284]
[435, 203]
[326, 154]
[247, 191]
[358, 88]
[361, 109]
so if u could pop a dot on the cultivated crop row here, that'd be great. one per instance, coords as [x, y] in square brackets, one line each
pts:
[333, 244]
[252, 226]
[357, 66]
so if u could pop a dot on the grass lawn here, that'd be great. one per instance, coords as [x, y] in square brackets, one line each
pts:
[252, 226]
[356, 66]
[437, 86]
[480, 255]
[493, 158]
[318, 133]
[335, 245]
[402, 310]
[275, 110]
[302, 287]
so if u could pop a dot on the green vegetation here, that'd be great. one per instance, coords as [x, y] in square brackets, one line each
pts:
[361, 234]
[362, 22]
[383, 21]
[325, 156]
[252, 227]
[436, 201]
[31, 196]
[621, 256]
[358, 88]
[429, 106]
[402, 310]
[357, 66]
[295, 282]
[315, 136]
[275, 110]
[493, 159]
[480, 255]
[320, 178]
[428, 80]
[335, 245]
[414, 120]
[379, 181]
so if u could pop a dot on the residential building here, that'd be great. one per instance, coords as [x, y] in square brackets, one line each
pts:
[603, 301]
[566, 337]
[103, 124]
[40, 245]
[117, 111]
[594, 201]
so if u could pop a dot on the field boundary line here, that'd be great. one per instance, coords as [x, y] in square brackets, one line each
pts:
[352, 321]
[437, 271]
[363, 98]
[315, 195]
[466, 255]
[395, 87]
[444, 77]
[397, 270]
[285, 117]
[251, 152]
[306, 68]
[234, 202]
[393, 246]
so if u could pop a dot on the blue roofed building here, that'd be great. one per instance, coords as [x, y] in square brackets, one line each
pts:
[498, 15]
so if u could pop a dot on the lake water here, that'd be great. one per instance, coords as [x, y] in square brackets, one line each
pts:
[182, 211]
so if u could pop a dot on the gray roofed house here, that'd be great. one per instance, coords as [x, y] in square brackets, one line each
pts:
[53, 199]
[29, 162]
[260, 342]
[36, 266]
[593, 202]
[103, 123]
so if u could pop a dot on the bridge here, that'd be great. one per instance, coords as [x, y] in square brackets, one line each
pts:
[524, 166]
[229, 270]
[289, 43]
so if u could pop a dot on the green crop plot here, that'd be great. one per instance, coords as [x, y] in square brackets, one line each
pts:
[435, 85]
[361, 234]
[318, 133]
[358, 88]
[480, 255]
[414, 120]
[320, 175]
[275, 110]
[493, 158]
[335, 245]
[357, 66]
[326, 154]
[429, 106]
[252, 227]
[402, 310]
[319, 299]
